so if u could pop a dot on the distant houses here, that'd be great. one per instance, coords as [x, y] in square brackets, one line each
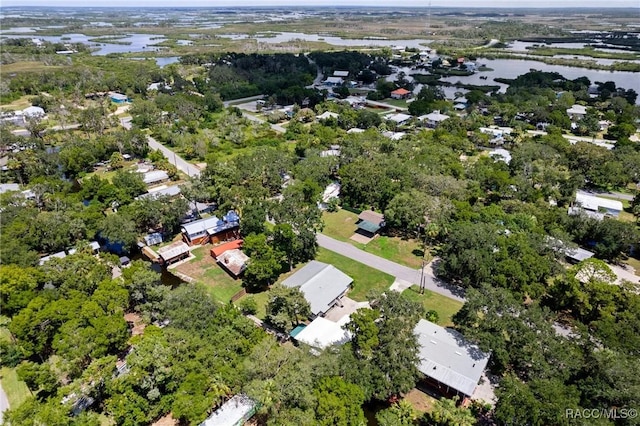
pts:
[323, 285]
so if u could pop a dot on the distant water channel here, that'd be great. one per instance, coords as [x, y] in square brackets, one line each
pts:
[512, 68]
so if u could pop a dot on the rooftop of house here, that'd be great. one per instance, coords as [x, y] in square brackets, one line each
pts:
[173, 250]
[592, 202]
[577, 109]
[320, 283]
[398, 118]
[169, 191]
[446, 356]
[401, 91]
[232, 413]
[231, 245]
[327, 114]
[339, 73]
[371, 216]
[234, 260]
[155, 176]
[435, 116]
[322, 333]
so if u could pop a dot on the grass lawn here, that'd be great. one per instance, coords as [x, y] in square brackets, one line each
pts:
[205, 270]
[16, 390]
[445, 307]
[404, 252]
[365, 278]
[634, 263]
[420, 401]
[395, 102]
[19, 104]
[341, 226]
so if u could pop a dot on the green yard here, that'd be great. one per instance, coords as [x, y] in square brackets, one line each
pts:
[16, 390]
[365, 278]
[205, 270]
[341, 226]
[445, 307]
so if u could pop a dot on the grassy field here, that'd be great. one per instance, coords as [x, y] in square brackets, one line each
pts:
[445, 307]
[341, 226]
[16, 390]
[365, 278]
[395, 102]
[204, 269]
[27, 66]
[19, 104]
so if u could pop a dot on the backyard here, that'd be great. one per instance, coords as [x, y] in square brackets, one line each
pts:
[204, 269]
[341, 225]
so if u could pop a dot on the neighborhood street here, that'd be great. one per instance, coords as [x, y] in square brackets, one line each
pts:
[180, 163]
[399, 271]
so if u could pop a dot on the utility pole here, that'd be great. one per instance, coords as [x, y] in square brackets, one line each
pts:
[424, 254]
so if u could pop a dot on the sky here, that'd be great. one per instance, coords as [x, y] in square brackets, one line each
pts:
[387, 3]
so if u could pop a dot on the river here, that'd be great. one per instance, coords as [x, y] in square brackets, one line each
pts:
[512, 68]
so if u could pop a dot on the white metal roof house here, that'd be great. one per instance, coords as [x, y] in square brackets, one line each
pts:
[322, 333]
[596, 204]
[398, 118]
[448, 360]
[234, 412]
[433, 119]
[174, 252]
[323, 285]
[327, 115]
[33, 112]
[155, 176]
[340, 73]
[576, 111]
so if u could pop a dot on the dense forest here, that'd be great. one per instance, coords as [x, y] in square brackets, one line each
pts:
[557, 340]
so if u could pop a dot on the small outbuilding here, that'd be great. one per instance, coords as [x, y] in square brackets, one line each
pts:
[233, 261]
[174, 252]
[322, 333]
[370, 222]
[235, 412]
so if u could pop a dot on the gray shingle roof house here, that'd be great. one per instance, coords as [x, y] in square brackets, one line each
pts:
[450, 361]
[323, 285]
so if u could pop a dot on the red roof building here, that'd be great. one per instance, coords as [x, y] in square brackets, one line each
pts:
[231, 245]
[400, 93]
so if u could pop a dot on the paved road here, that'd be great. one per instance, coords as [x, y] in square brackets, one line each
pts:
[617, 195]
[278, 128]
[242, 100]
[173, 158]
[399, 271]
[4, 404]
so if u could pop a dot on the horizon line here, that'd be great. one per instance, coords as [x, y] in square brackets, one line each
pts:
[325, 6]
